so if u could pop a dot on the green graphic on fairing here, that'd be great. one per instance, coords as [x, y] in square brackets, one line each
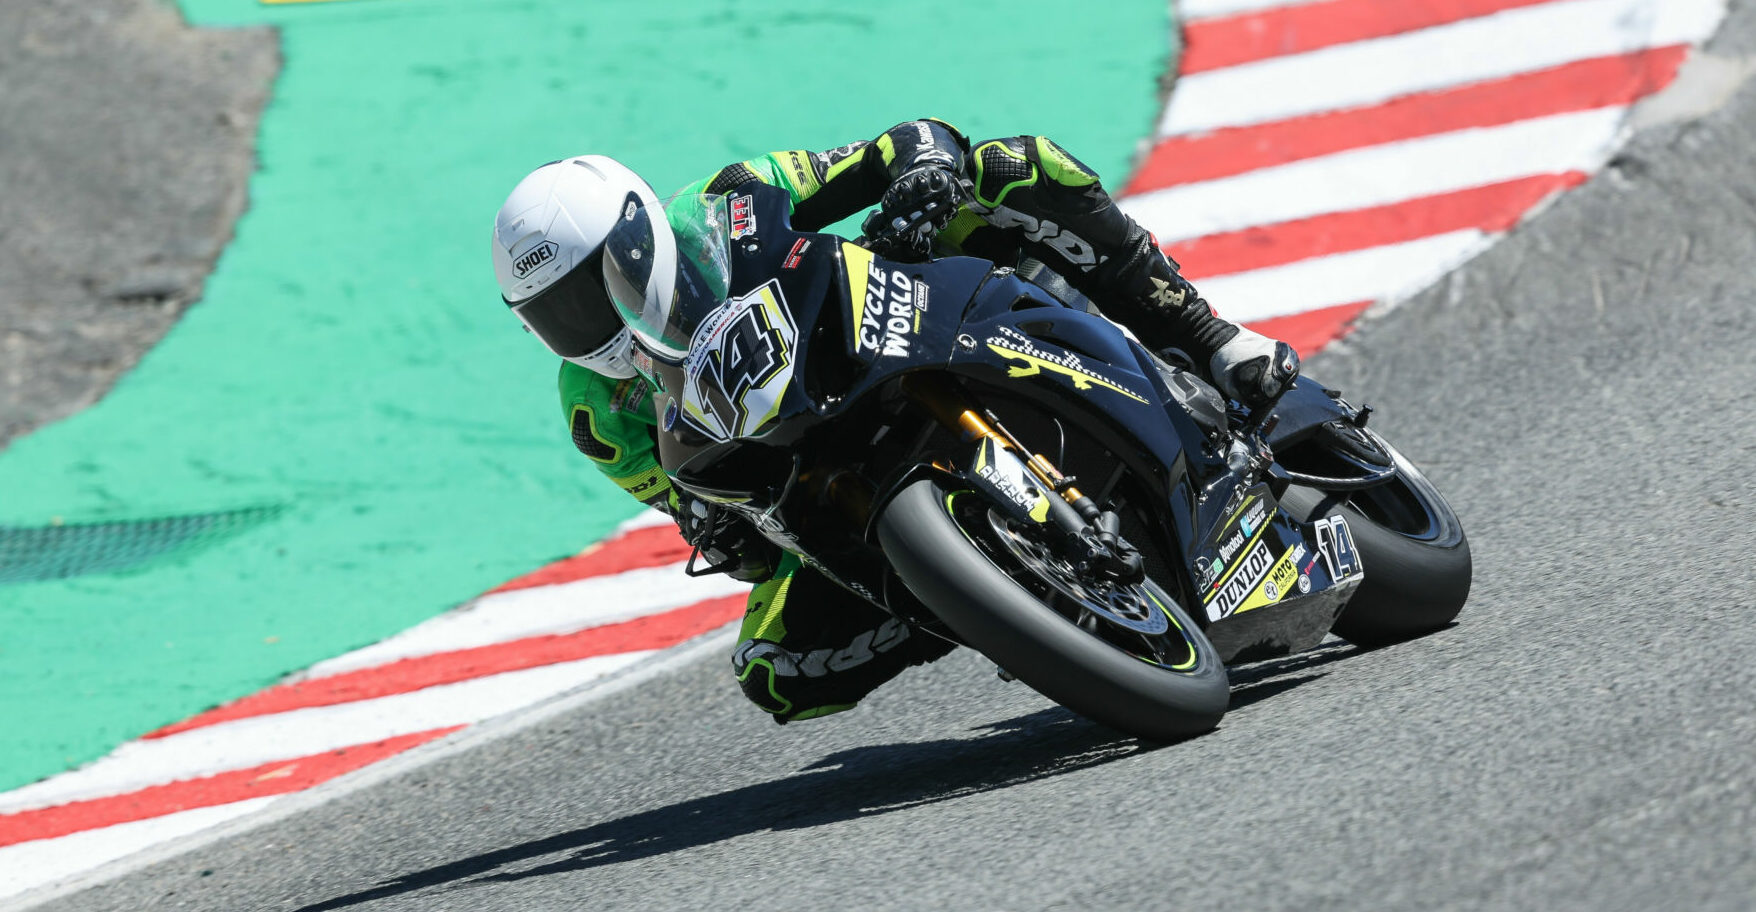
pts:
[351, 362]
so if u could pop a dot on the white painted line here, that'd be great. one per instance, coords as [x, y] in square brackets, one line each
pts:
[1374, 274]
[1191, 10]
[538, 611]
[28, 865]
[1473, 50]
[282, 736]
[1379, 175]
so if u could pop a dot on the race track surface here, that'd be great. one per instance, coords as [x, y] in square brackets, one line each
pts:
[1582, 739]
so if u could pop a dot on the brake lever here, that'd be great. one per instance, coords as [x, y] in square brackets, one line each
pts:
[1249, 450]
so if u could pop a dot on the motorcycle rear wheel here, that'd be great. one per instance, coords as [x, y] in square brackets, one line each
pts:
[1412, 545]
[996, 598]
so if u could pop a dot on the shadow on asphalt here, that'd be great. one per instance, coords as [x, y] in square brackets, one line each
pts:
[1248, 680]
[847, 785]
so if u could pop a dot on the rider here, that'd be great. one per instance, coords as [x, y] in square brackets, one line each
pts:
[807, 647]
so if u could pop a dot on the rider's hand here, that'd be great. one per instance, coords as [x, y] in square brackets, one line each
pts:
[725, 540]
[916, 206]
[1254, 369]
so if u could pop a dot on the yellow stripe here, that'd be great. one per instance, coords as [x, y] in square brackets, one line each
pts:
[859, 262]
[844, 164]
[887, 148]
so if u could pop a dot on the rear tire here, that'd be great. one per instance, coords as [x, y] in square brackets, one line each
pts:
[1412, 545]
[928, 541]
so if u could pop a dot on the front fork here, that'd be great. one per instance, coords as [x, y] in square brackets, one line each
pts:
[1029, 486]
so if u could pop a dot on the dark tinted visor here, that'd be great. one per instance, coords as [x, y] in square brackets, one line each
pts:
[573, 316]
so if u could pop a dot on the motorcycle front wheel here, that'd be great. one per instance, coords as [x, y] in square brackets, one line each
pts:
[1127, 656]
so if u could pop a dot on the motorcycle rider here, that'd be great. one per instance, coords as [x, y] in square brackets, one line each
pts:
[807, 647]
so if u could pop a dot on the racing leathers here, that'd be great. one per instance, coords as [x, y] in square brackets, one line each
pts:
[807, 647]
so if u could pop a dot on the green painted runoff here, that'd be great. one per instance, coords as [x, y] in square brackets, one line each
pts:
[350, 371]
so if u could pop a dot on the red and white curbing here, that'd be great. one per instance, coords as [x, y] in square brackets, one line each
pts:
[1316, 158]
[564, 626]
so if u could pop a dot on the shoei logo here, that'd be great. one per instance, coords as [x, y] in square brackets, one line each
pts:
[537, 256]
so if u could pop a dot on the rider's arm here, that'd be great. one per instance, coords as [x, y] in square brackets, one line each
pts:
[611, 421]
[829, 186]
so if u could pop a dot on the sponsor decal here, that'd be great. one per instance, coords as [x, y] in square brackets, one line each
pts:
[1205, 571]
[888, 318]
[1279, 584]
[1037, 359]
[1228, 549]
[1253, 519]
[535, 258]
[629, 394]
[1012, 479]
[1282, 577]
[1336, 546]
[1024, 497]
[1246, 575]
[670, 415]
[743, 216]
[801, 177]
[740, 364]
[1043, 231]
[1304, 583]
[794, 255]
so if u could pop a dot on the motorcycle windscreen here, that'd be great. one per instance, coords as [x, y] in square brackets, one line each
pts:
[667, 270]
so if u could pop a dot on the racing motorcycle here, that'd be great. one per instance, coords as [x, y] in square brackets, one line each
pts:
[974, 449]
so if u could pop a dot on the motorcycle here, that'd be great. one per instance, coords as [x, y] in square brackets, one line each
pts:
[974, 449]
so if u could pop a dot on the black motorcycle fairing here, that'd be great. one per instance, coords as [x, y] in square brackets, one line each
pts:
[792, 295]
[817, 329]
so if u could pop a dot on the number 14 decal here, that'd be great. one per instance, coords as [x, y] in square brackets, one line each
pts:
[1336, 543]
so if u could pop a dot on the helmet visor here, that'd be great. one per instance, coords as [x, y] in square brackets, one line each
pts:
[573, 316]
[667, 270]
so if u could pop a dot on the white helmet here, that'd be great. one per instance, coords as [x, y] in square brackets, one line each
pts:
[548, 258]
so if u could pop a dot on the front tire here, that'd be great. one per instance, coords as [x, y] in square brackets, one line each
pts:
[1416, 557]
[953, 564]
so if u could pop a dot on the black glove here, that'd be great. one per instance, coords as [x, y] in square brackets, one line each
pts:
[916, 206]
[724, 540]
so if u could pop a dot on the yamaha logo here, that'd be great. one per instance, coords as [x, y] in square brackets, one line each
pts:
[538, 256]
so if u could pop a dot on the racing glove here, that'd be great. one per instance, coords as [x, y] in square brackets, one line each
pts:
[724, 540]
[916, 205]
[1253, 368]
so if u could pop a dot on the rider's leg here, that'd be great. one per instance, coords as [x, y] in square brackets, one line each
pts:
[809, 648]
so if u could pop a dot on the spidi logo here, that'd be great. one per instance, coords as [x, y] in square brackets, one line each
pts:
[535, 257]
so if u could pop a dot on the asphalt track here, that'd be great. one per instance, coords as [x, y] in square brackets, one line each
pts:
[1582, 739]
